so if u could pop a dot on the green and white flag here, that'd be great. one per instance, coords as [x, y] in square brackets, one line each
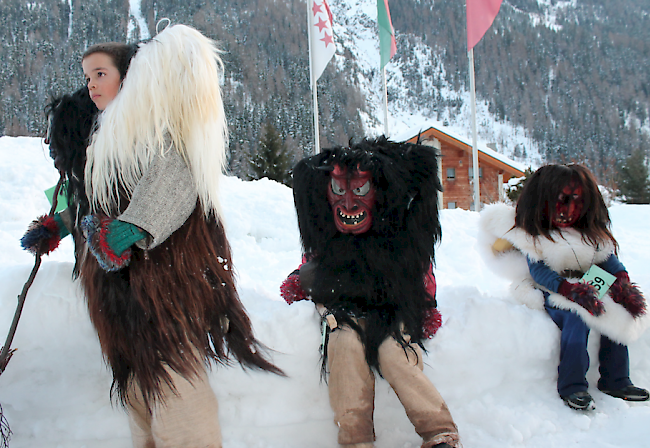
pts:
[387, 45]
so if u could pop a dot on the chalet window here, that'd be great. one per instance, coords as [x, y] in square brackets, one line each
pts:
[451, 205]
[471, 173]
[451, 173]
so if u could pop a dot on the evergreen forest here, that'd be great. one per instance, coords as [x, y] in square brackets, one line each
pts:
[574, 75]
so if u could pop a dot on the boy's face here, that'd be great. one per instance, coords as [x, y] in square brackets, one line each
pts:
[102, 77]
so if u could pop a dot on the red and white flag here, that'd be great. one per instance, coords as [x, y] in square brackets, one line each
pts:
[480, 15]
[321, 37]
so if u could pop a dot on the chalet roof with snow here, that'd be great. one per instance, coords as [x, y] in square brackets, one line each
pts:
[444, 134]
[455, 170]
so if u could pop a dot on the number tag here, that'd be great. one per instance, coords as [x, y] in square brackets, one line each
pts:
[599, 279]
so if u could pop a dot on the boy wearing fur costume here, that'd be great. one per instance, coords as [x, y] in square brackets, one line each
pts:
[561, 229]
[156, 264]
[368, 220]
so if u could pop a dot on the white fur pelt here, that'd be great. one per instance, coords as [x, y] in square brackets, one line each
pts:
[567, 251]
[170, 96]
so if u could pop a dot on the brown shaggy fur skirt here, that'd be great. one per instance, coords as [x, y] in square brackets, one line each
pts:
[175, 305]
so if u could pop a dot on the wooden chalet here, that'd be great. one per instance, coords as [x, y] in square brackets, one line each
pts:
[455, 167]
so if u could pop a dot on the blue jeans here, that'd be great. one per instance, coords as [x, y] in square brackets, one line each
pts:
[574, 360]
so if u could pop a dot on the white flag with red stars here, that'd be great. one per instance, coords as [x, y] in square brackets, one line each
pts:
[321, 37]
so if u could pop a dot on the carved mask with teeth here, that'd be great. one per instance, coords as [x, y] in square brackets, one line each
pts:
[568, 206]
[351, 196]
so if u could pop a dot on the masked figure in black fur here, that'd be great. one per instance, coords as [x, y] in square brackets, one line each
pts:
[561, 229]
[71, 118]
[152, 254]
[368, 220]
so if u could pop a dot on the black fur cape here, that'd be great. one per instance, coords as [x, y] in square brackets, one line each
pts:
[377, 275]
[71, 120]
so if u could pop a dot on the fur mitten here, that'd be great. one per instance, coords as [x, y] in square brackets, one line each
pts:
[628, 295]
[110, 240]
[291, 290]
[584, 295]
[44, 234]
[432, 322]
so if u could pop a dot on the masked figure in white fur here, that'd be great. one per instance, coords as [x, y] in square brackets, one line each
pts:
[559, 230]
[155, 264]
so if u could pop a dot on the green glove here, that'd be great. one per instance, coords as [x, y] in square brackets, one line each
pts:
[122, 235]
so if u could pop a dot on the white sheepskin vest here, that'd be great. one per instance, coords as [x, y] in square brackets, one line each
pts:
[505, 249]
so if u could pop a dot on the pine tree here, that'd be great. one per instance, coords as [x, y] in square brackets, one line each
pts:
[633, 181]
[272, 159]
[513, 191]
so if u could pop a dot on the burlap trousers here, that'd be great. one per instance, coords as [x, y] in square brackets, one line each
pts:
[188, 417]
[352, 391]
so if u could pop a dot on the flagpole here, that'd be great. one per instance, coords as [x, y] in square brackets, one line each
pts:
[480, 15]
[314, 89]
[316, 131]
[383, 79]
[472, 86]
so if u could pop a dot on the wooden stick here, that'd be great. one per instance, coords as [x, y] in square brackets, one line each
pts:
[6, 353]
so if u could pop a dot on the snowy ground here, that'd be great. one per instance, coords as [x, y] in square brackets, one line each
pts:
[494, 361]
